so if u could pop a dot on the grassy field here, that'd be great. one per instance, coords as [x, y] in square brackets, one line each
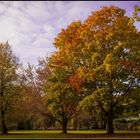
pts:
[70, 134]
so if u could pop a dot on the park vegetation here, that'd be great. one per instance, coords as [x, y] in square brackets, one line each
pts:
[92, 80]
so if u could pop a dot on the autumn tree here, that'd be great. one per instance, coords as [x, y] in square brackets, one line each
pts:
[61, 93]
[32, 89]
[42, 74]
[9, 82]
[104, 51]
[34, 92]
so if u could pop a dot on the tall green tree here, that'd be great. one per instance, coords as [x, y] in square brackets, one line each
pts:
[61, 98]
[104, 51]
[9, 82]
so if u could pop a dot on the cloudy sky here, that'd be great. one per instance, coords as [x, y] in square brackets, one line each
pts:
[31, 26]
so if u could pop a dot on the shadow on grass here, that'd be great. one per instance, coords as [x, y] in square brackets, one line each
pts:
[70, 135]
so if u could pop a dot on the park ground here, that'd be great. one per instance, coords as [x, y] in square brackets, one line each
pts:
[71, 134]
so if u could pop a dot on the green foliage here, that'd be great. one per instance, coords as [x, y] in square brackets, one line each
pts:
[136, 12]
[60, 99]
[10, 82]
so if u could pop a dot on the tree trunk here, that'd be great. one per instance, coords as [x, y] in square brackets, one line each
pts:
[109, 123]
[3, 124]
[64, 127]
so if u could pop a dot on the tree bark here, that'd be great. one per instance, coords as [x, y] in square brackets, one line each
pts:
[109, 123]
[3, 124]
[64, 127]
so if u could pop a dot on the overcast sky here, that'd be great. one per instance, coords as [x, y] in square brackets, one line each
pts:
[31, 26]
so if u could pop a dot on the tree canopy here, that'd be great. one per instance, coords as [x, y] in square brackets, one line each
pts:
[103, 51]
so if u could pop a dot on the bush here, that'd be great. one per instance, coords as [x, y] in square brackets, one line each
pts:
[24, 125]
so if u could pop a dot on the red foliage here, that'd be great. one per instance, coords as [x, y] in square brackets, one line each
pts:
[75, 81]
[127, 64]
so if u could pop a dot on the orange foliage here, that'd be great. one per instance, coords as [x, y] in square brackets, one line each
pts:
[75, 81]
[127, 64]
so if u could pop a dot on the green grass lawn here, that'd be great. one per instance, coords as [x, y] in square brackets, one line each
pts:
[70, 134]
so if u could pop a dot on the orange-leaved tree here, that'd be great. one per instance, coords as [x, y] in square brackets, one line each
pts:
[104, 52]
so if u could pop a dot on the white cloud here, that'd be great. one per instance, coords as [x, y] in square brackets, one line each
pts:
[26, 36]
